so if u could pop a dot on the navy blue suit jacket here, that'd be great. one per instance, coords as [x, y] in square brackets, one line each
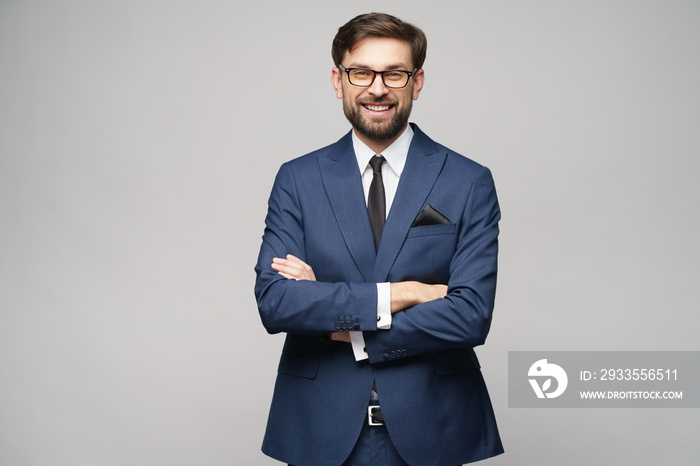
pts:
[433, 397]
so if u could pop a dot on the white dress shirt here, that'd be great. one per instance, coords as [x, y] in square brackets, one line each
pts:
[395, 159]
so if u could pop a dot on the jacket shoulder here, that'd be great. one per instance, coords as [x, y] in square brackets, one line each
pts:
[455, 159]
[311, 159]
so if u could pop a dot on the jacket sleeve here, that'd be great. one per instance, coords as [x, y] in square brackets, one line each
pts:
[463, 317]
[303, 306]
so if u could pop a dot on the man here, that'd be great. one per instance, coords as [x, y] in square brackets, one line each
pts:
[382, 272]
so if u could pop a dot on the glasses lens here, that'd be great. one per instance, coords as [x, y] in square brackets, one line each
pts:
[395, 78]
[361, 77]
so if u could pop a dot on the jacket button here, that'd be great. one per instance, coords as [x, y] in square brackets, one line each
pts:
[386, 356]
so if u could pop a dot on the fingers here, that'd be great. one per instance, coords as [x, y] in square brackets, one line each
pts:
[341, 336]
[293, 267]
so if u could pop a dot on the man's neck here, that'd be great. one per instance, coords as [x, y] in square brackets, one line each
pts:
[378, 145]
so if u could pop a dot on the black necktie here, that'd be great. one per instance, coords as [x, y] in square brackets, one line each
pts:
[376, 201]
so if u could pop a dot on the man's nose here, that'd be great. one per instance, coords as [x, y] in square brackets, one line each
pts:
[377, 88]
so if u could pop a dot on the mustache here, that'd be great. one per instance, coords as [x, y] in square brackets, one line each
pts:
[376, 101]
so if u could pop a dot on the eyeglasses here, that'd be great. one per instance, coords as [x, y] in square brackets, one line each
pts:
[393, 79]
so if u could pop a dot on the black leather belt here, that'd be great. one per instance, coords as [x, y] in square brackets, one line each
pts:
[375, 416]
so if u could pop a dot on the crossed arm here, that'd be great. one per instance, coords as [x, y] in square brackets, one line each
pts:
[403, 294]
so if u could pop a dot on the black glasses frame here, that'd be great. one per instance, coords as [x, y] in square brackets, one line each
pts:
[374, 76]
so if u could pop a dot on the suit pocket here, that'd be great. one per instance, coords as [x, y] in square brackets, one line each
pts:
[432, 230]
[427, 253]
[298, 366]
[456, 361]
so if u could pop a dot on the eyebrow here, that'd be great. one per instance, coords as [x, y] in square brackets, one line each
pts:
[390, 67]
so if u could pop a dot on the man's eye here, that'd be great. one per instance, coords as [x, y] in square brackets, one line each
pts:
[362, 74]
[394, 75]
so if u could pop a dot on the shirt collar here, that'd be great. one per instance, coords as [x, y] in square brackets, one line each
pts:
[395, 154]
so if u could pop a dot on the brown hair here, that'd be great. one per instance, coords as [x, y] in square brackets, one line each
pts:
[379, 25]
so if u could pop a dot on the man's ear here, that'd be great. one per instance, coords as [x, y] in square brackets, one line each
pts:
[337, 82]
[418, 81]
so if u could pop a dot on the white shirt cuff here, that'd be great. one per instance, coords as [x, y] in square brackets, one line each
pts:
[383, 321]
[358, 345]
[384, 306]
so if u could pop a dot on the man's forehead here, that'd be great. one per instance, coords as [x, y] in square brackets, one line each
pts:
[383, 52]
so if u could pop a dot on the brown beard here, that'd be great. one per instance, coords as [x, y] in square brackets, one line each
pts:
[378, 131]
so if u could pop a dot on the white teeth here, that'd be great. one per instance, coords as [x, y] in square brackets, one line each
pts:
[376, 108]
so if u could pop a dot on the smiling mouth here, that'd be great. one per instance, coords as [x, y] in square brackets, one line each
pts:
[377, 108]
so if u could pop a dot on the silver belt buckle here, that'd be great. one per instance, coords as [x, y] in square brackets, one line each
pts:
[370, 416]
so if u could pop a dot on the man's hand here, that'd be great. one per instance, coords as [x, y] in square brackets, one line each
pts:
[341, 336]
[294, 268]
[407, 294]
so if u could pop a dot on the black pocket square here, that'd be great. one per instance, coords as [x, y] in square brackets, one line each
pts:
[429, 216]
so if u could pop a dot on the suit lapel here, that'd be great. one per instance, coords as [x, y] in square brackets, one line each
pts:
[343, 184]
[422, 168]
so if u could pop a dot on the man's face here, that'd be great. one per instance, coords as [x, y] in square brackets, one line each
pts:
[378, 113]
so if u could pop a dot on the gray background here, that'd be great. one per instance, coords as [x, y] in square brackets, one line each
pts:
[138, 144]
